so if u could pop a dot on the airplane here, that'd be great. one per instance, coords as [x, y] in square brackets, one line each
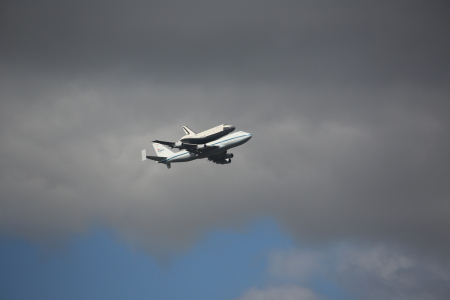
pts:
[191, 139]
[215, 151]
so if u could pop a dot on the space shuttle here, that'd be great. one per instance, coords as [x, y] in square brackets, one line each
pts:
[198, 139]
[206, 136]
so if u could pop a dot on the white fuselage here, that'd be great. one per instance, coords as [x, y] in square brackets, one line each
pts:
[224, 143]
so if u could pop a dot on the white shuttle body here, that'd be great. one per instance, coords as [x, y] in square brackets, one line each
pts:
[206, 136]
[192, 139]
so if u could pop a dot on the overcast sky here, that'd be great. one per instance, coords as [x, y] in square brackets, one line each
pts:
[348, 104]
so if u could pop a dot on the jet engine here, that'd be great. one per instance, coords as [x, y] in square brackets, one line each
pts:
[178, 145]
[202, 146]
[227, 160]
[229, 155]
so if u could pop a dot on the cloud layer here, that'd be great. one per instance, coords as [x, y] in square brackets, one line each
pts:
[362, 271]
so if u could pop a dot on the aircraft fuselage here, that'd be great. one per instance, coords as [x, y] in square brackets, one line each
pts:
[224, 143]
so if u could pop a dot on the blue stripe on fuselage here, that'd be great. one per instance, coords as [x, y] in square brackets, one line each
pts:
[231, 139]
[186, 152]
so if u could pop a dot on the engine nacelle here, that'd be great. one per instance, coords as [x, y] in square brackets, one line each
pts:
[202, 146]
[229, 155]
[178, 144]
[227, 160]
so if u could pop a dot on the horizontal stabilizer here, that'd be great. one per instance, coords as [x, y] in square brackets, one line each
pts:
[145, 156]
[157, 158]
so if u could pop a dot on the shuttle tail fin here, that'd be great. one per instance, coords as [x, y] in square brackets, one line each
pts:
[161, 150]
[188, 131]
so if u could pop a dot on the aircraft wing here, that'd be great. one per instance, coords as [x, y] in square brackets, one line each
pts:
[170, 144]
[221, 158]
[198, 148]
[194, 148]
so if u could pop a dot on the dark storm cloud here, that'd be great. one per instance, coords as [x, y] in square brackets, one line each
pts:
[348, 104]
[308, 40]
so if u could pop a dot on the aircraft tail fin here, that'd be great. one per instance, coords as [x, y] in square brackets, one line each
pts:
[161, 150]
[188, 131]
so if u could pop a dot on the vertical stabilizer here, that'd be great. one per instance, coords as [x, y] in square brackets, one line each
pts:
[161, 150]
[188, 131]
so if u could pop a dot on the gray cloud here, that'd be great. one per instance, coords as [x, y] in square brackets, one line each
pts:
[370, 43]
[348, 104]
[365, 271]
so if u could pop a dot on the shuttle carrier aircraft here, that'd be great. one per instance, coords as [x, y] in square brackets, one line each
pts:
[213, 149]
